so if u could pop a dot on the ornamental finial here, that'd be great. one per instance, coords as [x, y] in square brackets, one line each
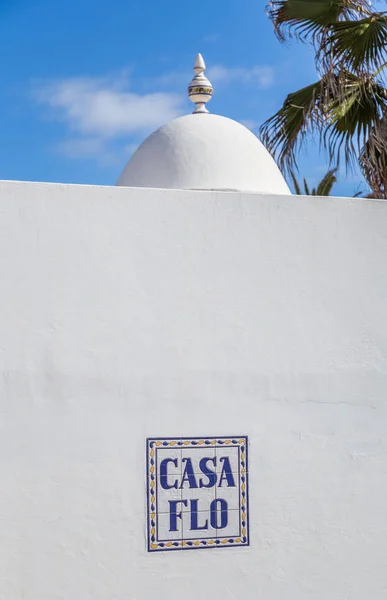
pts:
[200, 89]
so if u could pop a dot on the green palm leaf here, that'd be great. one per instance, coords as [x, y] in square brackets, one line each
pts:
[373, 160]
[307, 18]
[344, 118]
[325, 186]
[360, 44]
[306, 187]
[347, 107]
[353, 117]
[296, 185]
[283, 133]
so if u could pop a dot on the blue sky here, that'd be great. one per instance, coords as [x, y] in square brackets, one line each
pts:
[83, 82]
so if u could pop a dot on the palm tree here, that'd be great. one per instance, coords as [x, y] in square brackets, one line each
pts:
[347, 105]
[324, 187]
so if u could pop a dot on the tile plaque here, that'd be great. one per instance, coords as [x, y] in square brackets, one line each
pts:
[197, 493]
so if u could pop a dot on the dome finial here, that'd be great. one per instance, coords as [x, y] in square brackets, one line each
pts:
[200, 89]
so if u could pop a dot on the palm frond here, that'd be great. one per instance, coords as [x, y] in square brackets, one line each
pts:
[360, 44]
[296, 185]
[325, 186]
[306, 188]
[283, 133]
[353, 116]
[346, 114]
[373, 159]
[347, 107]
[306, 19]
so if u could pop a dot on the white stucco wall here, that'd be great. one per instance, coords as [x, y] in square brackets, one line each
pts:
[131, 313]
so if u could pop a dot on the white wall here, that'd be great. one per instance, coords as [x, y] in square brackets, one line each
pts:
[131, 313]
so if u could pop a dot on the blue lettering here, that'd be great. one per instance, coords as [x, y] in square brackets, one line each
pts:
[223, 513]
[226, 473]
[173, 514]
[211, 475]
[164, 474]
[188, 474]
[194, 517]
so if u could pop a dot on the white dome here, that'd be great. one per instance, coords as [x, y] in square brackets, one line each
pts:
[204, 152]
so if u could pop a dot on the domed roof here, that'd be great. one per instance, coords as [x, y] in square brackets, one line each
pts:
[203, 152]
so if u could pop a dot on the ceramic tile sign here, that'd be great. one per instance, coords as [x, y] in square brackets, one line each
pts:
[197, 493]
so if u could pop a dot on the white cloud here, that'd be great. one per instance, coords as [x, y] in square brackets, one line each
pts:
[130, 149]
[101, 113]
[82, 147]
[104, 151]
[249, 123]
[104, 117]
[97, 149]
[104, 108]
[211, 38]
[261, 75]
[173, 80]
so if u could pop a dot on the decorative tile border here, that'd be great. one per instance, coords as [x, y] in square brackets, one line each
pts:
[197, 493]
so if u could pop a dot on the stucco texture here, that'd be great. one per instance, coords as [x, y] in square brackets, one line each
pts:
[131, 313]
[206, 152]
